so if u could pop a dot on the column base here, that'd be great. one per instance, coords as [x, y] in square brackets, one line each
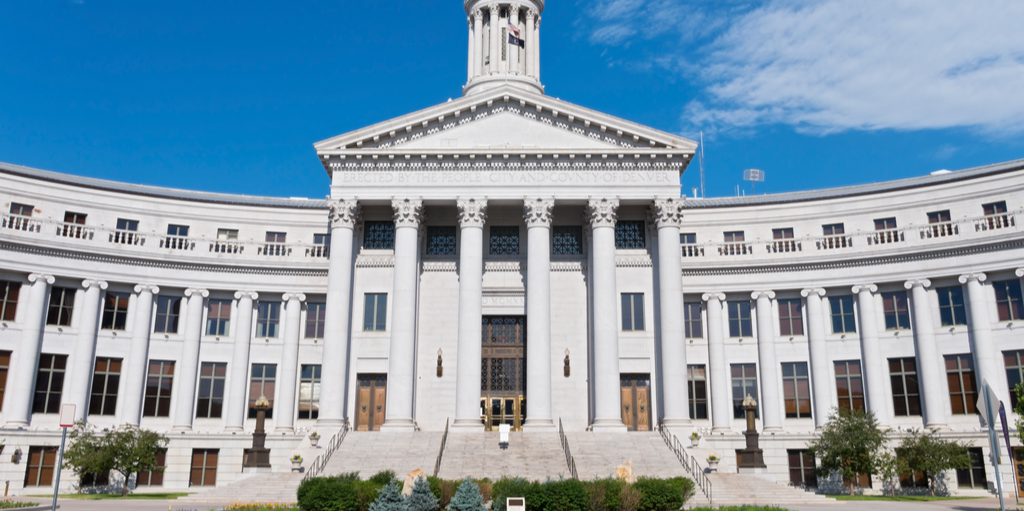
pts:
[284, 430]
[467, 425]
[772, 430]
[674, 423]
[233, 429]
[181, 428]
[541, 425]
[721, 430]
[17, 425]
[608, 425]
[405, 425]
[330, 422]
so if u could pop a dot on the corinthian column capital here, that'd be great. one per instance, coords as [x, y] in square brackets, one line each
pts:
[472, 212]
[807, 292]
[603, 212]
[922, 283]
[344, 213]
[668, 212]
[408, 212]
[537, 212]
[974, 276]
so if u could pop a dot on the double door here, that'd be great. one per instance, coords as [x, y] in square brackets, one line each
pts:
[371, 396]
[503, 371]
[636, 401]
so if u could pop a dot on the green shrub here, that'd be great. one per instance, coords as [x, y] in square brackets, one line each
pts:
[605, 494]
[663, 494]
[383, 477]
[558, 495]
[507, 487]
[246, 507]
[389, 498]
[340, 492]
[467, 497]
[421, 498]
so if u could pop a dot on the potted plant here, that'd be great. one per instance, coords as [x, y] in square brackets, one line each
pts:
[713, 462]
[314, 439]
[694, 439]
[296, 462]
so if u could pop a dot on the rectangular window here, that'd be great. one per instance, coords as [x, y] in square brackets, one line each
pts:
[73, 225]
[733, 243]
[697, 379]
[833, 229]
[963, 394]
[106, 378]
[321, 245]
[567, 240]
[744, 383]
[1014, 362]
[62, 303]
[268, 317]
[275, 243]
[21, 209]
[885, 224]
[261, 384]
[210, 399]
[316, 315]
[115, 311]
[897, 310]
[378, 234]
[227, 241]
[843, 321]
[995, 216]
[441, 240]
[309, 392]
[632, 311]
[796, 389]
[693, 322]
[9, 292]
[995, 208]
[941, 224]
[177, 230]
[906, 396]
[1008, 300]
[167, 313]
[49, 383]
[849, 386]
[159, 382]
[688, 238]
[630, 234]
[126, 232]
[739, 319]
[155, 476]
[973, 476]
[504, 241]
[732, 236]
[204, 468]
[5, 366]
[951, 306]
[783, 240]
[802, 470]
[791, 317]
[177, 237]
[40, 467]
[886, 232]
[218, 317]
[375, 312]
[227, 235]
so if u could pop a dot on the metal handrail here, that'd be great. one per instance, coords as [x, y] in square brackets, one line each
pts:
[440, 453]
[570, 461]
[320, 462]
[700, 478]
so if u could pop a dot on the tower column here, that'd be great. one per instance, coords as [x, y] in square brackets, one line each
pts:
[538, 313]
[531, 45]
[930, 365]
[986, 356]
[238, 370]
[495, 32]
[718, 368]
[185, 381]
[401, 358]
[513, 51]
[477, 43]
[770, 399]
[668, 214]
[870, 353]
[138, 355]
[83, 359]
[334, 374]
[25, 361]
[536, 49]
[607, 400]
[472, 215]
[471, 52]
[821, 385]
[285, 406]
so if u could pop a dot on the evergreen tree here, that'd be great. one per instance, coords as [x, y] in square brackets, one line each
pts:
[422, 498]
[467, 497]
[389, 498]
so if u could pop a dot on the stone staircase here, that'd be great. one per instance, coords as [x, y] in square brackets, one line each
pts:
[599, 454]
[370, 452]
[257, 488]
[531, 455]
[751, 489]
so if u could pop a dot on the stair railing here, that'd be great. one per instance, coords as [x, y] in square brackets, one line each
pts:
[320, 462]
[570, 461]
[440, 453]
[700, 478]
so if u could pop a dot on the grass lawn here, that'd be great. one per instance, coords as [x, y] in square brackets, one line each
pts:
[740, 507]
[847, 497]
[17, 504]
[134, 496]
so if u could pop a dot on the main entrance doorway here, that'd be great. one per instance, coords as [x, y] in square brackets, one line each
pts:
[503, 371]
[636, 401]
[371, 396]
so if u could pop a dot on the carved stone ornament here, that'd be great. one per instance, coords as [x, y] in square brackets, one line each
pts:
[668, 212]
[408, 212]
[537, 212]
[472, 212]
[603, 212]
[344, 213]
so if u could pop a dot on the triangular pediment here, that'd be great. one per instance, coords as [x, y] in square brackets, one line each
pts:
[504, 129]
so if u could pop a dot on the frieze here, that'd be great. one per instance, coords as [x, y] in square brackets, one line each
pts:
[375, 261]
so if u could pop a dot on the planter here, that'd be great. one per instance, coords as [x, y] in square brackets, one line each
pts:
[712, 466]
[314, 442]
[694, 443]
[297, 466]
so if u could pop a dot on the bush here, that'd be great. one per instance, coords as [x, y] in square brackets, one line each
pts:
[663, 494]
[383, 478]
[507, 487]
[340, 492]
[605, 494]
[467, 497]
[247, 507]
[558, 495]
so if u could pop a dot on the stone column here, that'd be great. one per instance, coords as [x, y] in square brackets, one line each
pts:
[285, 406]
[471, 49]
[668, 214]
[25, 361]
[987, 358]
[334, 377]
[513, 51]
[238, 369]
[138, 355]
[495, 35]
[472, 216]
[930, 364]
[718, 367]
[607, 400]
[531, 45]
[83, 356]
[402, 355]
[536, 49]
[478, 42]
[821, 382]
[188, 365]
[873, 366]
[771, 401]
[538, 313]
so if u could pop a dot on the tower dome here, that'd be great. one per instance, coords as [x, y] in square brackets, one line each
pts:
[504, 44]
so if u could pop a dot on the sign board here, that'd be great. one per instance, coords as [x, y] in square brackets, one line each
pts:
[515, 504]
[67, 415]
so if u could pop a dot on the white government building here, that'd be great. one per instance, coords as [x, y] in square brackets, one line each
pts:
[503, 257]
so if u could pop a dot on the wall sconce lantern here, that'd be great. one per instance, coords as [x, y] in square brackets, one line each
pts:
[440, 364]
[16, 456]
[565, 364]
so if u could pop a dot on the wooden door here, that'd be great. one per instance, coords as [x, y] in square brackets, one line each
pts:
[635, 394]
[371, 397]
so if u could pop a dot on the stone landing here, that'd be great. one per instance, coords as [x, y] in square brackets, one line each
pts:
[531, 455]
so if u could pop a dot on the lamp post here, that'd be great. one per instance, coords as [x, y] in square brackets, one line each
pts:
[751, 458]
[259, 456]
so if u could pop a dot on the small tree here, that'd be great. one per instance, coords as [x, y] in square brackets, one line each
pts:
[421, 498]
[126, 450]
[1018, 396]
[467, 497]
[924, 452]
[389, 498]
[849, 444]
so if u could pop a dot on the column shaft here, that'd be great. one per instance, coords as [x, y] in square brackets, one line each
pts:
[771, 401]
[25, 361]
[986, 356]
[402, 356]
[668, 213]
[821, 383]
[478, 43]
[495, 55]
[536, 49]
[874, 367]
[531, 46]
[138, 355]
[188, 365]
[538, 314]
[472, 214]
[284, 417]
[607, 399]
[238, 370]
[334, 373]
[83, 357]
[718, 368]
[930, 365]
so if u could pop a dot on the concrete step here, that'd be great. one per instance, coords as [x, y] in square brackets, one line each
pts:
[257, 488]
[531, 455]
[367, 453]
[599, 454]
[751, 489]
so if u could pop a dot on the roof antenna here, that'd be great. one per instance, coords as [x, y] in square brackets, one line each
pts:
[702, 164]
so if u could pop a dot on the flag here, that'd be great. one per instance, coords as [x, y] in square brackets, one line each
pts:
[515, 35]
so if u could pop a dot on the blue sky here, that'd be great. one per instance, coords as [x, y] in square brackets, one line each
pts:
[230, 96]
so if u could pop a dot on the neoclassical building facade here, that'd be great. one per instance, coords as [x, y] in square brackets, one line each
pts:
[504, 257]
